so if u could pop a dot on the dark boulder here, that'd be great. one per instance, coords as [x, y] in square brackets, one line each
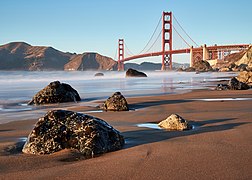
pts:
[116, 102]
[134, 73]
[62, 129]
[55, 92]
[180, 69]
[202, 66]
[221, 87]
[190, 69]
[99, 74]
[234, 84]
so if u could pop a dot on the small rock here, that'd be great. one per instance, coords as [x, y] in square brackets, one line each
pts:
[190, 69]
[116, 102]
[55, 92]
[99, 74]
[175, 122]
[60, 129]
[134, 73]
[221, 87]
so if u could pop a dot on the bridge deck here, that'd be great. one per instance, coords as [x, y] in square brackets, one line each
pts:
[187, 50]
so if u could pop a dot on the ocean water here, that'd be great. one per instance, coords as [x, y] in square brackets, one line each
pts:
[18, 87]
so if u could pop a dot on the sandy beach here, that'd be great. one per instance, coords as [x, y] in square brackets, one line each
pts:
[219, 146]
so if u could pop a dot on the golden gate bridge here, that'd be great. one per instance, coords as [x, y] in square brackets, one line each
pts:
[166, 33]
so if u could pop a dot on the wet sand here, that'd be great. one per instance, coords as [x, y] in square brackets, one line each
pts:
[220, 146]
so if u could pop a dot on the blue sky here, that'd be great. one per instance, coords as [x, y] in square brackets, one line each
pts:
[96, 25]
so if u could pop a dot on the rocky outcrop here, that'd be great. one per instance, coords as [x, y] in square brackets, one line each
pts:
[202, 66]
[134, 73]
[116, 102]
[55, 92]
[175, 122]
[23, 56]
[245, 77]
[190, 69]
[239, 61]
[61, 129]
[246, 59]
[233, 84]
[90, 61]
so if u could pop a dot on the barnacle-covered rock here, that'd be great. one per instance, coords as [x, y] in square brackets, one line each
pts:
[175, 122]
[55, 92]
[116, 102]
[60, 129]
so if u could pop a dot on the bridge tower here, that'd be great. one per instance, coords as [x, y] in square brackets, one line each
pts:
[167, 41]
[120, 55]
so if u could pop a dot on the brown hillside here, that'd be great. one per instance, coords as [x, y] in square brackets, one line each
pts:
[90, 61]
[22, 56]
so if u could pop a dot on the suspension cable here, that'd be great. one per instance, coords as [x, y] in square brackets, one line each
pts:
[155, 41]
[181, 36]
[185, 31]
[151, 36]
[130, 53]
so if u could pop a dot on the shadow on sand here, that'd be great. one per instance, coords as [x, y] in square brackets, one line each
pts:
[156, 103]
[146, 136]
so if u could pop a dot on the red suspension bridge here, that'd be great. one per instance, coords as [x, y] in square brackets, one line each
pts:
[196, 53]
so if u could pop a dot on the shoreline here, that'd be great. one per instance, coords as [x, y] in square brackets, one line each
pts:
[216, 149]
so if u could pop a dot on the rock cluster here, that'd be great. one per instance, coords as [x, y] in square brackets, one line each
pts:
[55, 92]
[134, 73]
[238, 62]
[233, 84]
[116, 102]
[175, 122]
[61, 129]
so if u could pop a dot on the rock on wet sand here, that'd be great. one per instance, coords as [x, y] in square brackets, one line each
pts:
[60, 129]
[55, 92]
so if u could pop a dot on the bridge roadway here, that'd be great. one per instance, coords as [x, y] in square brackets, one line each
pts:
[189, 50]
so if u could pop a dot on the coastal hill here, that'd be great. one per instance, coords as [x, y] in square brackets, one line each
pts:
[23, 56]
[90, 61]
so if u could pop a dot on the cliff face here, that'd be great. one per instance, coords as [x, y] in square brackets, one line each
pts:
[90, 61]
[22, 56]
[246, 58]
[237, 61]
